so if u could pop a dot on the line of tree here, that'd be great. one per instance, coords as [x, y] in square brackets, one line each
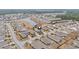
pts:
[69, 16]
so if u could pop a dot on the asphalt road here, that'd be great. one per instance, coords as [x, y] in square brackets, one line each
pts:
[14, 36]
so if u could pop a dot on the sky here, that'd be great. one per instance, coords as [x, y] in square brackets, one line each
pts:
[38, 4]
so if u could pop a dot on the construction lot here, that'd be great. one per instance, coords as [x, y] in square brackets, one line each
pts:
[39, 31]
